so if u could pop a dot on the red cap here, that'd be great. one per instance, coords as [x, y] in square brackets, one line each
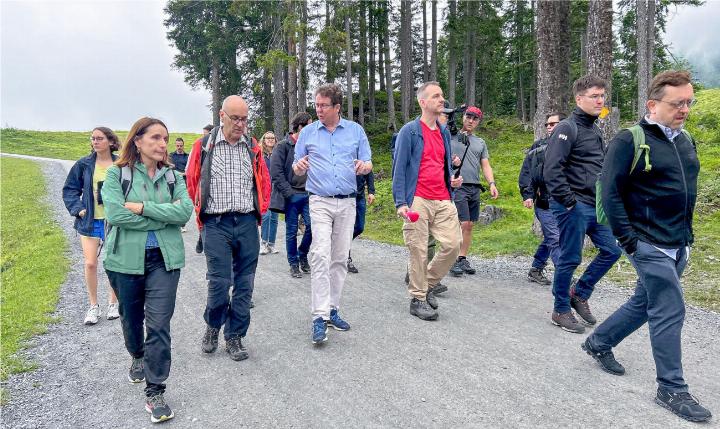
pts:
[474, 111]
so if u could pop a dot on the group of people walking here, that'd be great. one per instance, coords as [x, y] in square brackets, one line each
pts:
[136, 205]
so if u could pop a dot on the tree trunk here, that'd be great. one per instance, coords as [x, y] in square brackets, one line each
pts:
[553, 64]
[425, 64]
[329, 60]
[267, 101]
[381, 52]
[363, 69]
[452, 51]
[215, 89]
[371, 71]
[392, 126]
[292, 78]
[645, 27]
[470, 65]
[302, 61]
[600, 56]
[406, 60]
[278, 80]
[433, 43]
[348, 67]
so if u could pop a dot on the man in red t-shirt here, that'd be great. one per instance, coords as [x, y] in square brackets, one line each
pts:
[423, 183]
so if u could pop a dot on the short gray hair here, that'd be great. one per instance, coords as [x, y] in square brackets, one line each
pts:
[420, 93]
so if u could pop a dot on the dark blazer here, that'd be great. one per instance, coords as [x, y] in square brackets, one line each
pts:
[285, 182]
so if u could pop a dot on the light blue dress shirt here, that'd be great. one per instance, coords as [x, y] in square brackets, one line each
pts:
[332, 156]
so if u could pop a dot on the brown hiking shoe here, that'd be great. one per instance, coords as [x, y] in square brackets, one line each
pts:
[582, 308]
[567, 322]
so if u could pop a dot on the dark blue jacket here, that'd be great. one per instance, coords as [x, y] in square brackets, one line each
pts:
[78, 193]
[406, 164]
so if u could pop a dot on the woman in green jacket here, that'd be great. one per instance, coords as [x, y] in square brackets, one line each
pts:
[144, 253]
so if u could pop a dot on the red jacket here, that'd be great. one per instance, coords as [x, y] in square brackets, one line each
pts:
[197, 175]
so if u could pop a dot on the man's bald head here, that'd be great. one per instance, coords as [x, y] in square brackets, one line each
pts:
[234, 118]
[233, 101]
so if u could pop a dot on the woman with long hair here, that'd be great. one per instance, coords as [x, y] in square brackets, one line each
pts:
[83, 200]
[268, 230]
[146, 203]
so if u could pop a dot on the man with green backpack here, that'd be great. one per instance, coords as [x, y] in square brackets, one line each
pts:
[649, 188]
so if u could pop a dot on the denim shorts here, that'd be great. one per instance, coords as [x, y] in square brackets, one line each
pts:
[98, 229]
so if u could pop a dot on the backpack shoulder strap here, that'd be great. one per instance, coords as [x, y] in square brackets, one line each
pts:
[689, 136]
[126, 178]
[170, 180]
[640, 147]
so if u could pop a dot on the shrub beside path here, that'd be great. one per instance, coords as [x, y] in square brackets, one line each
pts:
[491, 360]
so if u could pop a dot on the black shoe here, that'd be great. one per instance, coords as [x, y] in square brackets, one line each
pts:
[457, 269]
[199, 245]
[210, 340]
[439, 288]
[235, 348]
[351, 267]
[684, 405]
[304, 265]
[295, 271]
[582, 308]
[158, 409]
[422, 310]
[605, 359]
[465, 265]
[431, 299]
[137, 371]
[537, 275]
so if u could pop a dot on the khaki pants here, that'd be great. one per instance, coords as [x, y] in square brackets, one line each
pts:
[332, 223]
[439, 219]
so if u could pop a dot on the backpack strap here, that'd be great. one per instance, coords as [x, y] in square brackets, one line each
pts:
[126, 178]
[170, 180]
[640, 146]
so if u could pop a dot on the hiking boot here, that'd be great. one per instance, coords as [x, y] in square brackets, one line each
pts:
[210, 340]
[537, 275]
[336, 322]
[295, 271]
[304, 264]
[264, 248]
[137, 371]
[422, 310]
[272, 249]
[158, 409]
[92, 315]
[684, 405]
[319, 331]
[431, 299]
[439, 288]
[465, 265]
[582, 308]
[605, 359]
[567, 322]
[351, 267]
[199, 245]
[235, 348]
[457, 270]
[113, 311]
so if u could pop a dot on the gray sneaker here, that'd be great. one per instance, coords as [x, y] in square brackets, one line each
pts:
[422, 310]
[537, 275]
[465, 265]
[137, 370]
[431, 299]
[567, 322]
[457, 269]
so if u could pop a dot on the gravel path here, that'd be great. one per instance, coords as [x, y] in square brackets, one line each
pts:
[492, 359]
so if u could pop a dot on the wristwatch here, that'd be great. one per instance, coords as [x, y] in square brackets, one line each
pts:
[491, 183]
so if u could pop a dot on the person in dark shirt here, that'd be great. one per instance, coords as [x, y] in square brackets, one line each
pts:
[179, 158]
[363, 181]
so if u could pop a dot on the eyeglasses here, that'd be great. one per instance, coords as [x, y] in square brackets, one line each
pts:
[322, 106]
[236, 119]
[677, 105]
[551, 124]
[596, 97]
[97, 139]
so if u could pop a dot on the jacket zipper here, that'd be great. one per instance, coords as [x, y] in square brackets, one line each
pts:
[682, 172]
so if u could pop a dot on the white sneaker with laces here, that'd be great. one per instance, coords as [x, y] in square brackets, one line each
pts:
[92, 315]
[113, 311]
[272, 249]
[264, 248]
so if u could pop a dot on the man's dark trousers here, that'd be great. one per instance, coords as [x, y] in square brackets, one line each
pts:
[549, 247]
[658, 300]
[297, 205]
[573, 225]
[360, 209]
[232, 246]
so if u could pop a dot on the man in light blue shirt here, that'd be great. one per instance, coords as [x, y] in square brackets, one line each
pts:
[331, 151]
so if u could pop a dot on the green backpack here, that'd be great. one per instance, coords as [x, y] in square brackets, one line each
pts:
[640, 148]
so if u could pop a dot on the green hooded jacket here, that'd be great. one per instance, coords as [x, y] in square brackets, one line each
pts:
[162, 213]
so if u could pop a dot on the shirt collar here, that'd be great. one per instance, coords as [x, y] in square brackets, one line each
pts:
[221, 138]
[669, 132]
[342, 124]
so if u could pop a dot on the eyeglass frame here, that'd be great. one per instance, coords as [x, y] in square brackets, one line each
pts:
[236, 120]
[680, 104]
[323, 106]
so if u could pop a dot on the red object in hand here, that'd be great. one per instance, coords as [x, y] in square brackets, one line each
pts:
[413, 216]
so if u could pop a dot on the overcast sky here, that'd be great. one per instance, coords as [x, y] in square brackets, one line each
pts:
[74, 65]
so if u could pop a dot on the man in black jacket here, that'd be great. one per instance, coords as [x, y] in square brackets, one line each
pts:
[573, 161]
[650, 210]
[289, 196]
[534, 193]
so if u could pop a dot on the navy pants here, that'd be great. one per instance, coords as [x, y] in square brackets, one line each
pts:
[360, 209]
[231, 251]
[658, 300]
[573, 225]
[148, 299]
[297, 205]
[550, 245]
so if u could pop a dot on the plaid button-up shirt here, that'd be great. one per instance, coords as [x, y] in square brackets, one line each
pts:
[231, 178]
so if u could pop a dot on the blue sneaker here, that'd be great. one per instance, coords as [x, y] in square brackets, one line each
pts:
[319, 331]
[336, 322]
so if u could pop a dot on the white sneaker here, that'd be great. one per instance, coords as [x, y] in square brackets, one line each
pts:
[264, 249]
[92, 315]
[272, 249]
[113, 311]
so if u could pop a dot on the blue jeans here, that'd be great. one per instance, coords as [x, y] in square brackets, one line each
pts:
[360, 209]
[268, 230]
[573, 224]
[297, 205]
[658, 300]
[550, 246]
[231, 252]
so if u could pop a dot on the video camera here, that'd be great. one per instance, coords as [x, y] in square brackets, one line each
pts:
[450, 112]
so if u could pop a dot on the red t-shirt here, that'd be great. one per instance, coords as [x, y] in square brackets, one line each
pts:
[431, 177]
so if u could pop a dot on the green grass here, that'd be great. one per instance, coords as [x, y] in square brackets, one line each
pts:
[33, 261]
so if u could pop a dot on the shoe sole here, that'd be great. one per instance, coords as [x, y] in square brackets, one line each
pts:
[135, 381]
[437, 290]
[213, 350]
[431, 318]
[566, 329]
[456, 274]
[330, 325]
[592, 355]
[239, 358]
[688, 418]
[113, 317]
[532, 280]
[324, 339]
[161, 419]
